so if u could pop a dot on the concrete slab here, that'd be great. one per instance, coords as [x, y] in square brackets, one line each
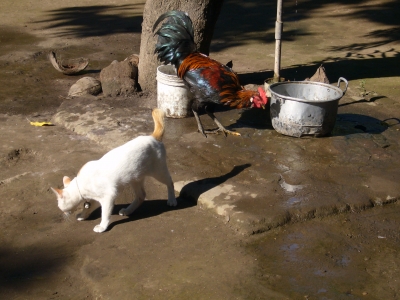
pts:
[262, 179]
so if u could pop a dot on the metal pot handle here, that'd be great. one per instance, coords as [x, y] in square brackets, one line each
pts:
[345, 81]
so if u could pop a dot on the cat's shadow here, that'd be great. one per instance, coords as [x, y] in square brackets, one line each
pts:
[188, 197]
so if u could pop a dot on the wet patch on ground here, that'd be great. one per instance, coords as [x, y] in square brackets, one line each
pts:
[334, 258]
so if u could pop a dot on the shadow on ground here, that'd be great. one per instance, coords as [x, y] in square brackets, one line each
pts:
[98, 20]
[193, 190]
[353, 67]
[23, 267]
[188, 197]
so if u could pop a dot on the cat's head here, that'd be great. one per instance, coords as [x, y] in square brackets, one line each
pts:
[68, 199]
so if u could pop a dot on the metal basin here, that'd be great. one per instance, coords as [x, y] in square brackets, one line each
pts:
[301, 108]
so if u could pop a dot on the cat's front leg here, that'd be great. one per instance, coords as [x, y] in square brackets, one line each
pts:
[106, 209]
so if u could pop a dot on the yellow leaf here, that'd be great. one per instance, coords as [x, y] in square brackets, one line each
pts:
[41, 123]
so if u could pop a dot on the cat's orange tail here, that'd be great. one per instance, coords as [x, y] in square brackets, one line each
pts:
[158, 118]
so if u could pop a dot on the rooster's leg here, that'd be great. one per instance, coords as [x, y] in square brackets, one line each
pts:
[199, 125]
[220, 126]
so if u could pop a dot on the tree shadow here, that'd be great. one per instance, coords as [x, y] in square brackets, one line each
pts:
[352, 67]
[97, 20]
[255, 20]
[240, 22]
[19, 267]
[188, 197]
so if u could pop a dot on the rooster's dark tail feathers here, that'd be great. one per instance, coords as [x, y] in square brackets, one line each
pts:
[175, 37]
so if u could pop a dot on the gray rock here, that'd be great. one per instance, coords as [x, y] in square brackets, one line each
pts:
[84, 86]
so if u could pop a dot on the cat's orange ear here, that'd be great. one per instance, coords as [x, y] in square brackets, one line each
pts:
[58, 192]
[66, 181]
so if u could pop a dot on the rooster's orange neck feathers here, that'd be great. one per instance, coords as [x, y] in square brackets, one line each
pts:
[231, 94]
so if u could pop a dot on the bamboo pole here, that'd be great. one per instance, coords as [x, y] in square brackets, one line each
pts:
[278, 37]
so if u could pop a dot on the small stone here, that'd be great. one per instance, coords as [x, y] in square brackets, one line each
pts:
[85, 86]
[227, 219]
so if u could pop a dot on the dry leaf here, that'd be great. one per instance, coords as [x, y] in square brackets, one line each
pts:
[41, 124]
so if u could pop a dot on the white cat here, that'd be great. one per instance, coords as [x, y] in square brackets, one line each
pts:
[100, 180]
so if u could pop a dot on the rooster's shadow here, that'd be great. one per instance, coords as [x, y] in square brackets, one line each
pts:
[254, 118]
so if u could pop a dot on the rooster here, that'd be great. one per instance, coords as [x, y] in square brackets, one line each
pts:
[210, 82]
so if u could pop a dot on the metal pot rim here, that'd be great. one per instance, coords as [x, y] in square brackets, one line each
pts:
[338, 89]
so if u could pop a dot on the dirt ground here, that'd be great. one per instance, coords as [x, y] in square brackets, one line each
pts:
[187, 252]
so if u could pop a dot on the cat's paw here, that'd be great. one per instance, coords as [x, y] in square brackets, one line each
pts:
[123, 212]
[172, 202]
[80, 217]
[99, 229]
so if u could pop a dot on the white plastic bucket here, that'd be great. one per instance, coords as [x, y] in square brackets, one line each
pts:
[173, 97]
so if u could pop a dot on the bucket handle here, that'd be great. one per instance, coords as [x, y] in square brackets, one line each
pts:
[345, 81]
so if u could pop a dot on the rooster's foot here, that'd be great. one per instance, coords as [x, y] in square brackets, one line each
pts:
[223, 130]
[220, 128]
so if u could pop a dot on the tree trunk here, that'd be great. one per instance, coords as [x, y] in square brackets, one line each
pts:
[204, 15]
